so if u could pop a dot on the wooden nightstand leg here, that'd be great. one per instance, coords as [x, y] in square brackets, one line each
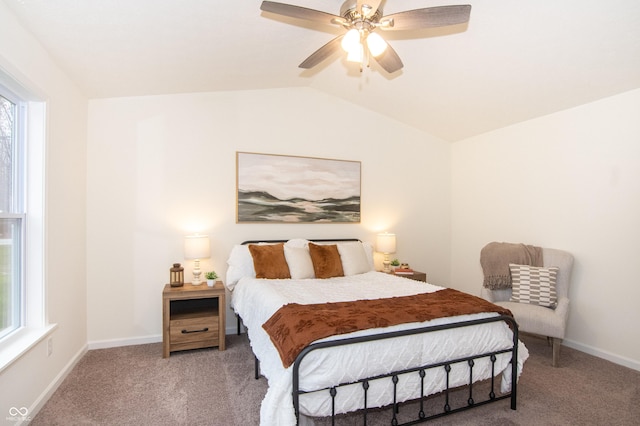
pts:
[222, 309]
[166, 310]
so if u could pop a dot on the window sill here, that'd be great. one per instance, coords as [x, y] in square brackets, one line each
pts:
[13, 347]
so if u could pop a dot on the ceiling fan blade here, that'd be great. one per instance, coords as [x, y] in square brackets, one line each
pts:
[300, 12]
[429, 17]
[323, 53]
[370, 7]
[390, 60]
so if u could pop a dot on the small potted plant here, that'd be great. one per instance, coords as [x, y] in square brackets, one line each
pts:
[211, 278]
[395, 263]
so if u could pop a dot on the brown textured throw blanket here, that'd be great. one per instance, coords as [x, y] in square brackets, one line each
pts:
[496, 257]
[295, 326]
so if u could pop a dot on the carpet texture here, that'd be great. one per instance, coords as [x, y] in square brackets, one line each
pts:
[134, 385]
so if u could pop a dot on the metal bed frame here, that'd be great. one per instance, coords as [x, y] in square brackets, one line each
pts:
[421, 415]
[420, 370]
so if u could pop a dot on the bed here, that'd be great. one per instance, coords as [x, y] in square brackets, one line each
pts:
[367, 368]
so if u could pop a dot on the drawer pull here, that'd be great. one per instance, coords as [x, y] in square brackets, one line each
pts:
[195, 331]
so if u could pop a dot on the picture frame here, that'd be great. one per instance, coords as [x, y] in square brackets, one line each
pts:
[272, 188]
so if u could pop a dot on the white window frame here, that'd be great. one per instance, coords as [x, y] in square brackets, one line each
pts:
[35, 326]
[17, 209]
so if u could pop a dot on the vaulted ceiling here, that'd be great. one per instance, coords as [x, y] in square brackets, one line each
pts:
[515, 60]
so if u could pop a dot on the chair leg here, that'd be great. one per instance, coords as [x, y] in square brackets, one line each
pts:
[556, 343]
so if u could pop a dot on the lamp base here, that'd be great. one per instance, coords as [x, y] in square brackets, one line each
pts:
[196, 273]
[386, 263]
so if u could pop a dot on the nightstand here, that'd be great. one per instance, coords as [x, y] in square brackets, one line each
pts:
[193, 317]
[416, 275]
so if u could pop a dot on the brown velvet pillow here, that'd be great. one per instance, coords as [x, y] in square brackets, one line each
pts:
[269, 261]
[326, 260]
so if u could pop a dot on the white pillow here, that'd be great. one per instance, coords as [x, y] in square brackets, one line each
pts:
[299, 261]
[240, 265]
[354, 258]
[240, 262]
[297, 243]
[368, 249]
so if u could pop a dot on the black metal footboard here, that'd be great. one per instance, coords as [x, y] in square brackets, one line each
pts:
[420, 415]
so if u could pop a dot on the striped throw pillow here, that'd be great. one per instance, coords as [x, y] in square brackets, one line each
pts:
[534, 285]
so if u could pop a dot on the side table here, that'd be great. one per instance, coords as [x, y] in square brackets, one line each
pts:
[193, 317]
[416, 275]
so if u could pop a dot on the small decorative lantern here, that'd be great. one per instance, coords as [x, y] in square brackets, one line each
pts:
[176, 275]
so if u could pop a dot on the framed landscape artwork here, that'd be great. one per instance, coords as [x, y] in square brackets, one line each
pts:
[290, 189]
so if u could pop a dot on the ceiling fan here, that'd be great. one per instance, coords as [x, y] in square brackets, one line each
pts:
[361, 19]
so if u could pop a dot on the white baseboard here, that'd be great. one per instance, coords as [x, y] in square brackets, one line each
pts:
[57, 381]
[114, 343]
[616, 359]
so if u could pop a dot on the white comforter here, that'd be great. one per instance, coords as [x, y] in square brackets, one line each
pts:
[255, 300]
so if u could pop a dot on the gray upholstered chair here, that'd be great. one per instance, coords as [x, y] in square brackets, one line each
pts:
[538, 319]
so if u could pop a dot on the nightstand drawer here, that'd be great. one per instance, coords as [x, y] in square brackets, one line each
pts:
[200, 331]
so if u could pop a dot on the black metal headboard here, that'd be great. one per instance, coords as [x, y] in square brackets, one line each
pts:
[321, 240]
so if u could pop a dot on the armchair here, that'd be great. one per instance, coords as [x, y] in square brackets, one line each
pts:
[539, 319]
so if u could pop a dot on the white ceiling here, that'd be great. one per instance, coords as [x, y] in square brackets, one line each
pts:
[514, 61]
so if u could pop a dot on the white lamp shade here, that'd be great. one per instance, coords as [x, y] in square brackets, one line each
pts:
[197, 247]
[351, 40]
[386, 243]
[356, 55]
[376, 44]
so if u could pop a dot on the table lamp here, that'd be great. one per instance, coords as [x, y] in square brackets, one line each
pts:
[197, 247]
[386, 244]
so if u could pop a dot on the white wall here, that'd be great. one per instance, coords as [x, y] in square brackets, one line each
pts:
[570, 180]
[163, 167]
[26, 381]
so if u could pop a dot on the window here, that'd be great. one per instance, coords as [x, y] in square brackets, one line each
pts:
[12, 217]
[22, 153]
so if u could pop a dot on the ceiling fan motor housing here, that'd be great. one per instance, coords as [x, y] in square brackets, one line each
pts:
[350, 12]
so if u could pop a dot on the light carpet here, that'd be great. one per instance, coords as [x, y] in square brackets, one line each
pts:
[134, 385]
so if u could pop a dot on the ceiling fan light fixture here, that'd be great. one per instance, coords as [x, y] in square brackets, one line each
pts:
[361, 18]
[351, 40]
[356, 54]
[376, 44]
